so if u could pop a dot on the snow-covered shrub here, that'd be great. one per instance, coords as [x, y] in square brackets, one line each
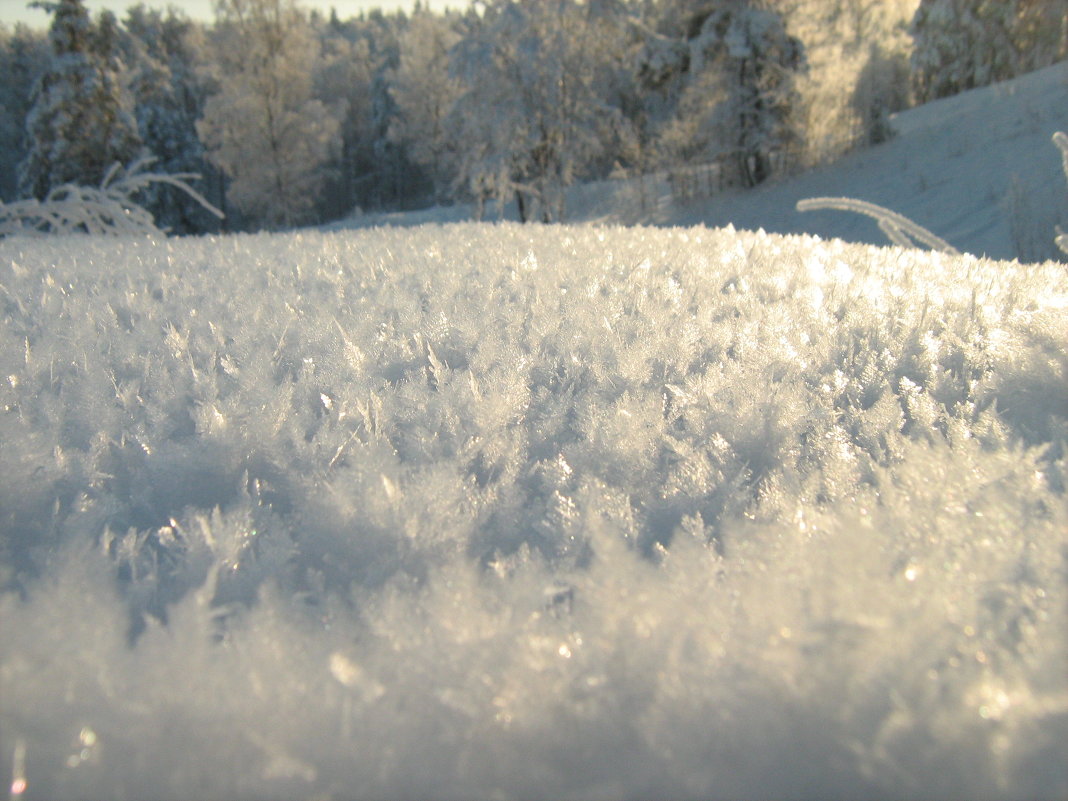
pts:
[499, 511]
[110, 209]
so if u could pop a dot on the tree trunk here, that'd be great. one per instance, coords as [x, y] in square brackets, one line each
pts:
[521, 204]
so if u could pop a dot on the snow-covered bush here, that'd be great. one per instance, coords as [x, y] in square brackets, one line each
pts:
[110, 209]
[510, 512]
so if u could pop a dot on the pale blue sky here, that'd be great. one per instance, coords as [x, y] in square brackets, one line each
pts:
[12, 11]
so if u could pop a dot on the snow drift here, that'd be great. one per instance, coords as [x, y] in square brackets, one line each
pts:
[508, 512]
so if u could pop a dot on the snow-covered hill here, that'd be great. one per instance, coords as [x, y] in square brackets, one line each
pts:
[977, 169]
[492, 511]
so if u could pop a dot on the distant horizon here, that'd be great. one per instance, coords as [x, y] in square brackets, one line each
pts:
[13, 12]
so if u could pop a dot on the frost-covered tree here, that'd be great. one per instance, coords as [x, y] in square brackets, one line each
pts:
[880, 89]
[858, 74]
[23, 58]
[962, 44]
[263, 127]
[424, 91]
[82, 120]
[164, 48]
[533, 113]
[346, 79]
[368, 169]
[392, 178]
[736, 65]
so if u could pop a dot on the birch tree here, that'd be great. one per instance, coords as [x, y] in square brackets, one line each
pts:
[533, 112]
[264, 128]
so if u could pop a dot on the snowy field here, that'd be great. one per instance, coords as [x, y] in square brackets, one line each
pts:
[505, 512]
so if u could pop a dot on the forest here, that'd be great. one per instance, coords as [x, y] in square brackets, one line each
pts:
[296, 118]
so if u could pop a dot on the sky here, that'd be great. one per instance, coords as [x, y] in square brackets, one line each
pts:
[13, 11]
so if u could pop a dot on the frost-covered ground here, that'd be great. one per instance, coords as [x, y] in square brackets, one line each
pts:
[527, 512]
[977, 169]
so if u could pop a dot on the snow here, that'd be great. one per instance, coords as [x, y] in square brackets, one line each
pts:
[976, 169]
[500, 511]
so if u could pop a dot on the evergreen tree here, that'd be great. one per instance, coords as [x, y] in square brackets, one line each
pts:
[163, 49]
[963, 44]
[389, 177]
[82, 119]
[24, 53]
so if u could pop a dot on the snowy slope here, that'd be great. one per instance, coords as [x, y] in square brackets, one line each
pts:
[533, 512]
[977, 169]
[969, 168]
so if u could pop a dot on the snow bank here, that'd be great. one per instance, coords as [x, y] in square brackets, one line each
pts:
[509, 512]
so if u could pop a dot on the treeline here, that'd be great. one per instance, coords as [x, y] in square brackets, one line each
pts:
[294, 117]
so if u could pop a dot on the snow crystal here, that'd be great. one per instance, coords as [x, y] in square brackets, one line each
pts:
[500, 511]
